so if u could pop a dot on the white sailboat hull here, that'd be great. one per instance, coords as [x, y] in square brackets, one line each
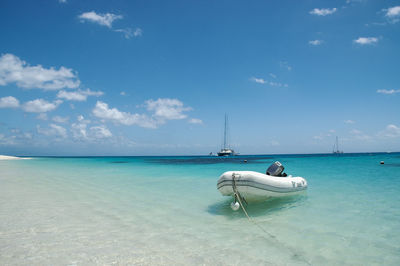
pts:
[226, 150]
[254, 186]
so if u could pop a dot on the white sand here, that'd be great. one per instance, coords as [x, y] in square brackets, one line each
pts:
[5, 157]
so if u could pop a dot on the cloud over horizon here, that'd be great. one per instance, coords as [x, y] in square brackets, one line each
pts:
[391, 131]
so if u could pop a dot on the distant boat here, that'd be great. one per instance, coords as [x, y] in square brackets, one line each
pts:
[226, 150]
[335, 149]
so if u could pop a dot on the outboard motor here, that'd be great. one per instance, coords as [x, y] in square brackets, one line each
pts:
[276, 169]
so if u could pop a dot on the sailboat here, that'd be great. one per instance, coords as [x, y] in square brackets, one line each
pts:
[336, 147]
[226, 150]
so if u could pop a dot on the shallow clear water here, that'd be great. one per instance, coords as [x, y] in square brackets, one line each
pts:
[167, 210]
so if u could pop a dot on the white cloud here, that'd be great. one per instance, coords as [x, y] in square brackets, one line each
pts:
[366, 40]
[79, 130]
[122, 93]
[258, 80]
[163, 109]
[40, 106]
[42, 116]
[8, 140]
[102, 111]
[323, 11]
[272, 75]
[393, 14]
[9, 102]
[349, 121]
[167, 109]
[100, 132]
[60, 119]
[138, 32]
[391, 131]
[101, 19]
[271, 83]
[54, 130]
[393, 11]
[81, 118]
[14, 70]
[80, 95]
[107, 20]
[16, 136]
[195, 121]
[71, 95]
[60, 130]
[315, 42]
[62, 1]
[285, 65]
[129, 33]
[88, 92]
[388, 91]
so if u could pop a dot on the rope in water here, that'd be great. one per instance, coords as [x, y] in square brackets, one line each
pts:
[238, 197]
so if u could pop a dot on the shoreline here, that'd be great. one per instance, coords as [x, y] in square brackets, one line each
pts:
[6, 157]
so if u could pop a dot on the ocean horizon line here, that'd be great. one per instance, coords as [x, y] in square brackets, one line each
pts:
[206, 155]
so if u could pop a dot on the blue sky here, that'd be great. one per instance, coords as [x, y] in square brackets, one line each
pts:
[157, 77]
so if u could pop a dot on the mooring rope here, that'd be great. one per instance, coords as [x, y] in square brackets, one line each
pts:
[238, 197]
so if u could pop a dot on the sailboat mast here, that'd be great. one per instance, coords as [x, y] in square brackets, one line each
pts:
[226, 118]
[337, 144]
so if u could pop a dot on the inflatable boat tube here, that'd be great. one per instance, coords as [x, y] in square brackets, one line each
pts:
[254, 186]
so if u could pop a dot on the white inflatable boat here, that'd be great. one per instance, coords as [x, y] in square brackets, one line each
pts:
[254, 186]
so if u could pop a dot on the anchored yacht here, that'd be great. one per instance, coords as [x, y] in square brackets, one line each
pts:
[226, 150]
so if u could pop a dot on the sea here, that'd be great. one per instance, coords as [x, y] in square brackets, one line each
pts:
[168, 211]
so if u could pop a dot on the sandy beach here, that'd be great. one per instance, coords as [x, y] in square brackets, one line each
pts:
[6, 157]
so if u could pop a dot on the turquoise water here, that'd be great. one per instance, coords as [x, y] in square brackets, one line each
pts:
[167, 210]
